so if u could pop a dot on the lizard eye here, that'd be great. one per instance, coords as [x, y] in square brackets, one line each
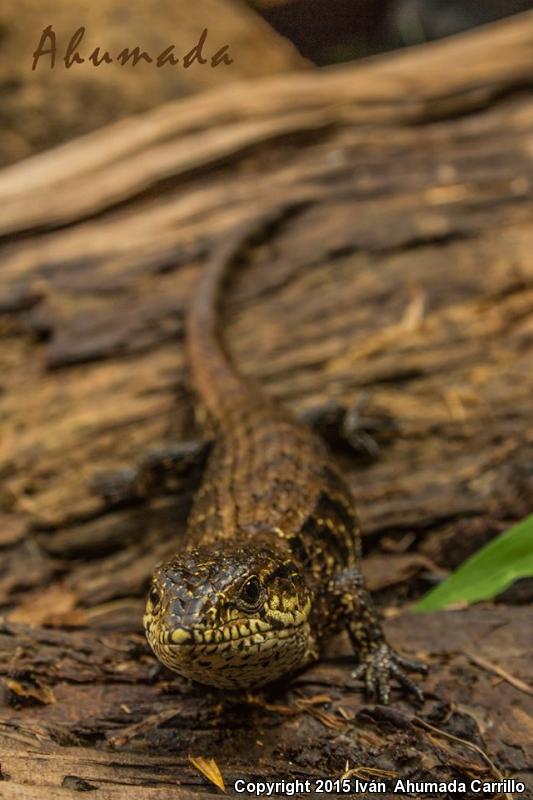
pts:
[250, 593]
[154, 598]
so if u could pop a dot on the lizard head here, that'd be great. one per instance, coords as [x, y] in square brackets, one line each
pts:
[229, 616]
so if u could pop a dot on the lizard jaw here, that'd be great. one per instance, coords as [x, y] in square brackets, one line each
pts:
[245, 661]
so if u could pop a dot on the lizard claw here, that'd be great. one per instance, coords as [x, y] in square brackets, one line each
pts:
[380, 665]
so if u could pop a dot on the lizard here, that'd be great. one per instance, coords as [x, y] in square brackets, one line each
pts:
[271, 566]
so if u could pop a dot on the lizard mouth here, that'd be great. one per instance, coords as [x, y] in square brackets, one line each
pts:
[240, 632]
[186, 638]
[248, 633]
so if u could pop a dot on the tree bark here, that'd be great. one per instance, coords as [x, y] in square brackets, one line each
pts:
[406, 278]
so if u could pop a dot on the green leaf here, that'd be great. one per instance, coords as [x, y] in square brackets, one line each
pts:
[488, 572]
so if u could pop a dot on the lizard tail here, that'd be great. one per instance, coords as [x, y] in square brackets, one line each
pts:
[215, 379]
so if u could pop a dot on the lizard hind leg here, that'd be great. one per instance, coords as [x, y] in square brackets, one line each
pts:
[378, 663]
[161, 471]
[363, 428]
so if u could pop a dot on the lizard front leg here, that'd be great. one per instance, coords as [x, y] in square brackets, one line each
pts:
[378, 663]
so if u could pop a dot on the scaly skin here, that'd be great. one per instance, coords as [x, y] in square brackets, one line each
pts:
[271, 568]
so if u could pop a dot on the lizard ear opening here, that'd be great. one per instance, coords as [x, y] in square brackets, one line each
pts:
[154, 598]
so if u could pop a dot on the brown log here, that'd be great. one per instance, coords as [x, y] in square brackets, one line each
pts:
[42, 106]
[406, 277]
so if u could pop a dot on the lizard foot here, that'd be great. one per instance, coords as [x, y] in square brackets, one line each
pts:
[117, 488]
[362, 429]
[162, 471]
[380, 665]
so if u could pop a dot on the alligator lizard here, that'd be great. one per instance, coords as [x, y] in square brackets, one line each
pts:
[271, 565]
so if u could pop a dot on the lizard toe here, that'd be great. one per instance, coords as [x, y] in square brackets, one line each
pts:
[380, 666]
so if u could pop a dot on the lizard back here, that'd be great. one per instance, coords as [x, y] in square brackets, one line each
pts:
[268, 477]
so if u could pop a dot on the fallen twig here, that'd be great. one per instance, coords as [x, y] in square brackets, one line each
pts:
[496, 670]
